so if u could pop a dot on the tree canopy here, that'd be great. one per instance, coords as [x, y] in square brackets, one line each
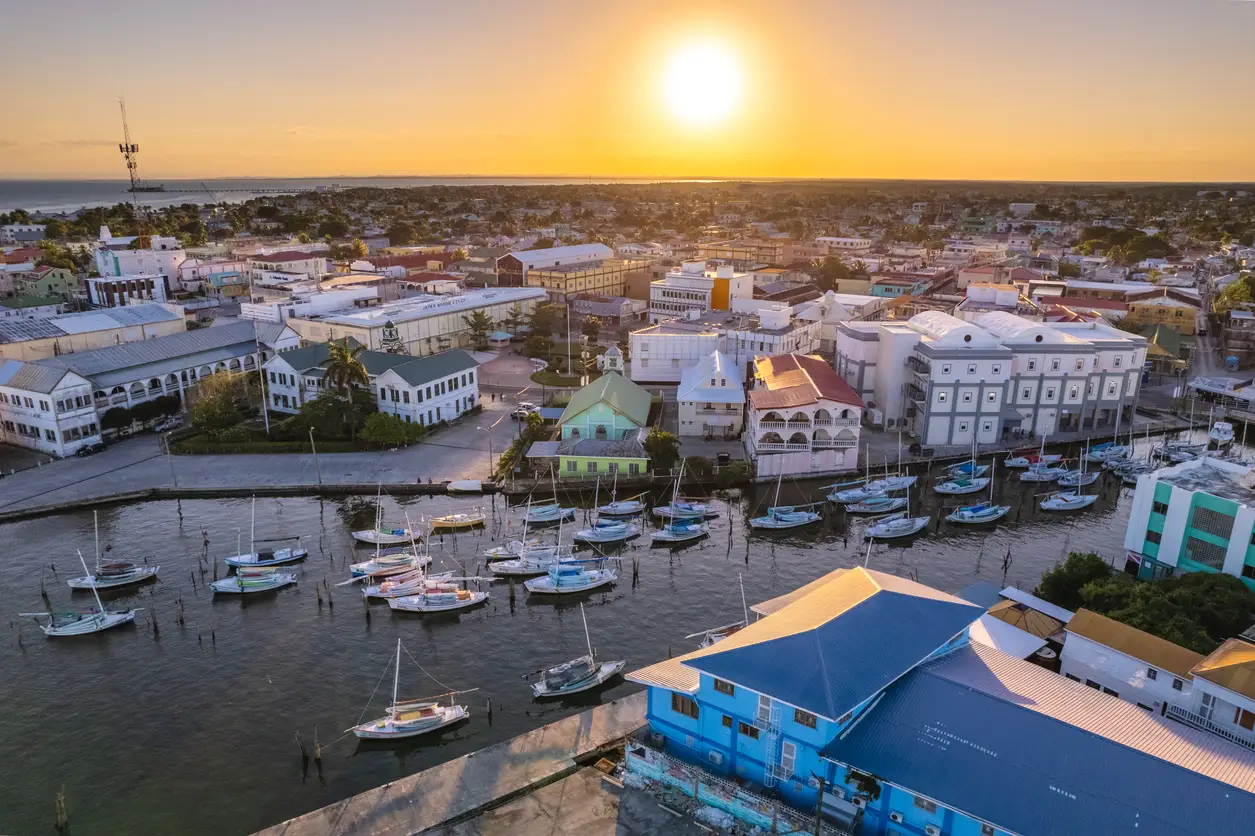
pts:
[662, 447]
[343, 368]
[480, 325]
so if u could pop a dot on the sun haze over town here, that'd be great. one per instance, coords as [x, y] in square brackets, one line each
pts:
[815, 417]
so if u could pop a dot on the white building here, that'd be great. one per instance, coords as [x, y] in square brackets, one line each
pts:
[803, 418]
[660, 352]
[946, 381]
[833, 308]
[513, 267]
[647, 250]
[1125, 662]
[711, 398]
[307, 302]
[418, 390]
[46, 408]
[22, 339]
[21, 233]
[162, 258]
[1019, 210]
[123, 290]
[691, 288]
[838, 244]
[290, 263]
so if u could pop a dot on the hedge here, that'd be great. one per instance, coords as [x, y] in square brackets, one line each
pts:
[198, 447]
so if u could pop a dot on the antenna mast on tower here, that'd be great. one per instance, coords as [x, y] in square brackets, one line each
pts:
[129, 150]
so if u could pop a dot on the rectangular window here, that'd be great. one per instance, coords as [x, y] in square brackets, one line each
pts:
[1213, 522]
[1072, 677]
[1092, 684]
[405, 397]
[1248, 571]
[1117, 361]
[1159, 508]
[997, 369]
[572, 466]
[925, 804]
[747, 730]
[967, 397]
[1080, 364]
[1177, 684]
[945, 369]
[1244, 718]
[1050, 394]
[1074, 392]
[592, 467]
[1109, 692]
[50, 435]
[1032, 365]
[804, 718]
[1154, 537]
[941, 397]
[1208, 554]
[1054, 365]
[1026, 394]
[788, 756]
[684, 705]
[725, 687]
[1151, 673]
[633, 468]
[971, 368]
[727, 722]
[986, 830]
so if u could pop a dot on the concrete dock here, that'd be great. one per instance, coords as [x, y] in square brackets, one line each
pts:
[470, 785]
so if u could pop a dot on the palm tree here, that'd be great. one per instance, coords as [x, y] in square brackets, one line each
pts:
[343, 369]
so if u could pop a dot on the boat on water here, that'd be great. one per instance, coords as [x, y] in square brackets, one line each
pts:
[398, 586]
[457, 522]
[527, 567]
[268, 557]
[1067, 501]
[968, 470]
[621, 507]
[81, 622]
[512, 549]
[862, 493]
[1106, 452]
[1031, 459]
[680, 531]
[891, 484]
[1077, 478]
[391, 562]
[896, 525]
[571, 576]
[1042, 473]
[250, 581]
[1221, 432]
[548, 514]
[607, 531]
[410, 718]
[962, 485]
[879, 504]
[714, 635]
[384, 536]
[465, 486]
[781, 517]
[581, 674]
[111, 574]
[440, 596]
[682, 509]
[985, 512]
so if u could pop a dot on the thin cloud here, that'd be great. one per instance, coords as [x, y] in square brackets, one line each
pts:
[7, 143]
[81, 143]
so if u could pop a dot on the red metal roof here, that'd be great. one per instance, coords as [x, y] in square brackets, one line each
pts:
[798, 379]
[286, 255]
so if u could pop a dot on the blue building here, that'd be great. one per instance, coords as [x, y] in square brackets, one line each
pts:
[866, 685]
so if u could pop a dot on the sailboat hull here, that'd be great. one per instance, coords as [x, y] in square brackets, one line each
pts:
[235, 586]
[89, 624]
[626, 508]
[388, 728]
[140, 575]
[595, 579]
[383, 538]
[606, 671]
[428, 604]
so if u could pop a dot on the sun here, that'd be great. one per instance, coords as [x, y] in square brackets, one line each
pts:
[703, 84]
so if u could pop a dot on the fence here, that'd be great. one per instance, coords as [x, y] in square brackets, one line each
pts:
[1200, 722]
[764, 813]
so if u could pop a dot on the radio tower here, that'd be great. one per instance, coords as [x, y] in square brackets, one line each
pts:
[129, 150]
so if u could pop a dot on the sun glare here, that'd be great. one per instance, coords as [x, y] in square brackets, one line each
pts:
[703, 84]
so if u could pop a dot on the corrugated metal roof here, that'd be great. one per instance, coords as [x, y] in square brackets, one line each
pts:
[624, 396]
[1134, 642]
[1032, 752]
[1011, 593]
[20, 330]
[1000, 635]
[780, 602]
[838, 645]
[420, 370]
[157, 350]
[177, 363]
[670, 674]
[550, 254]
[1232, 666]
[796, 379]
[29, 376]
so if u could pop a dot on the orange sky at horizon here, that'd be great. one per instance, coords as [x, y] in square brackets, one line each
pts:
[952, 89]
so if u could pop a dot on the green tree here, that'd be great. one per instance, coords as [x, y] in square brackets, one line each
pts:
[116, 418]
[514, 318]
[217, 403]
[662, 447]
[53, 229]
[357, 248]
[401, 234]
[343, 368]
[333, 228]
[591, 328]
[480, 325]
[1233, 296]
[389, 431]
[543, 319]
[1068, 270]
[542, 244]
[1062, 585]
[733, 473]
[832, 271]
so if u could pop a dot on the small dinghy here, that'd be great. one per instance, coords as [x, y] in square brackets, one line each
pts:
[978, 514]
[607, 531]
[115, 574]
[780, 517]
[620, 507]
[249, 581]
[571, 576]
[582, 674]
[1067, 501]
[524, 567]
[457, 522]
[962, 485]
[410, 718]
[896, 525]
[440, 596]
[891, 484]
[880, 504]
[1221, 433]
[549, 514]
[966, 470]
[1021, 462]
[1106, 451]
[682, 509]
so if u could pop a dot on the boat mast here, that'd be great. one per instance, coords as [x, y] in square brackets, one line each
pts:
[587, 640]
[252, 530]
[99, 605]
[745, 610]
[378, 522]
[776, 503]
[614, 489]
[396, 677]
[96, 527]
[413, 534]
[596, 493]
[993, 471]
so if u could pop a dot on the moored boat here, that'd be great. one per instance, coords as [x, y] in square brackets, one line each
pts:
[114, 574]
[410, 718]
[391, 562]
[978, 514]
[82, 622]
[440, 596]
[962, 485]
[1042, 473]
[896, 525]
[548, 514]
[571, 576]
[879, 504]
[251, 581]
[1067, 501]
[384, 536]
[457, 522]
[576, 675]
[607, 531]
[268, 557]
[1222, 433]
[1078, 478]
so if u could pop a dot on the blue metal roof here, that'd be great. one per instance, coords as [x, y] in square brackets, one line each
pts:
[841, 643]
[1027, 750]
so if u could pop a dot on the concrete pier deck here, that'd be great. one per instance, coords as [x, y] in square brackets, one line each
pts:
[462, 788]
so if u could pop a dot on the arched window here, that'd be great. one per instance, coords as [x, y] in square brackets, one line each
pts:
[575, 432]
[600, 432]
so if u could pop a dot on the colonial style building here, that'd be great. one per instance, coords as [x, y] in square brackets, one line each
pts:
[711, 398]
[803, 418]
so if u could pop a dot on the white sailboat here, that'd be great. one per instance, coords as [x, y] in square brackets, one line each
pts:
[253, 580]
[114, 573]
[440, 596]
[962, 485]
[1069, 500]
[680, 529]
[879, 504]
[621, 507]
[411, 718]
[576, 675]
[985, 512]
[715, 635]
[1030, 459]
[82, 622]
[571, 576]
[266, 557]
[785, 516]
[1041, 472]
[531, 562]
[607, 531]
[896, 525]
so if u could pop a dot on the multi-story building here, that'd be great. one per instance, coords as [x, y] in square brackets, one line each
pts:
[711, 398]
[862, 697]
[1176, 310]
[120, 291]
[418, 325]
[46, 408]
[46, 281]
[660, 352]
[22, 339]
[418, 390]
[946, 380]
[693, 289]
[21, 233]
[290, 263]
[30, 307]
[747, 253]
[609, 277]
[834, 245]
[115, 257]
[833, 308]
[513, 267]
[1239, 336]
[802, 417]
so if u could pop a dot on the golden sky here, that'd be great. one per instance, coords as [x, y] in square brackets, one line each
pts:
[973, 89]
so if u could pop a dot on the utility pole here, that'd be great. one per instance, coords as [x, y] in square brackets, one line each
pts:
[265, 405]
[314, 450]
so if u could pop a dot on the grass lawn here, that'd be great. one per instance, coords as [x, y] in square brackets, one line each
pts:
[546, 378]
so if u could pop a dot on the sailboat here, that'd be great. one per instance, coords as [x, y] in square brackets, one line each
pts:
[1028, 460]
[607, 530]
[570, 576]
[962, 485]
[897, 525]
[715, 635]
[548, 513]
[581, 674]
[1079, 478]
[878, 504]
[253, 580]
[440, 596]
[621, 507]
[114, 573]
[410, 718]
[985, 512]
[82, 622]
[785, 516]
[1069, 500]
[681, 529]
[265, 557]
[531, 562]
[457, 522]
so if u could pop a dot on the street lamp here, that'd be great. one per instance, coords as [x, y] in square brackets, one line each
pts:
[166, 438]
[489, 433]
[314, 450]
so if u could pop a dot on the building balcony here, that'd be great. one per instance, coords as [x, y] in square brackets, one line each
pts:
[712, 410]
[797, 425]
[772, 425]
[835, 422]
[785, 447]
[918, 366]
[834, 443]
[1183, 715]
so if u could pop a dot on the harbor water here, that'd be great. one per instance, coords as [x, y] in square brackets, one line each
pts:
[188, 721]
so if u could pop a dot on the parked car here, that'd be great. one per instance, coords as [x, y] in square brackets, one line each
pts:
[88, 449]
[523, 411]
[167, 424]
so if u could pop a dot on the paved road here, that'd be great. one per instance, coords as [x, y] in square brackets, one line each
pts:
[459, 452]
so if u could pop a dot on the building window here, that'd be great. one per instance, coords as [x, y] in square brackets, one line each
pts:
[1072, 677]
[747, 730]
[804, 718]
[971, 368]
[727, 722]
[986, 830]
[1244, 718]
[592, 467]
[992, 397]
[572, 466]
[1074, 392]
[1151, 673]
[1154, 537]
[1026, 394]
[945, 369]
[1159, 508]
[962, 426]
[1213, 522]
[1208, 554]
[725, 687]
[684, 705]
[1032, 365]
[997, 369]
[633, 468]
[1080, 364]
[941, 397]
[1177, 684]
[1248, 571]
[1109, 692]
[1054, 365]
[1092, 684]
[1117, 361]
[967, 397]
[925, 804]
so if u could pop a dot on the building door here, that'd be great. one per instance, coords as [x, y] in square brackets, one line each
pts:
[788, 758]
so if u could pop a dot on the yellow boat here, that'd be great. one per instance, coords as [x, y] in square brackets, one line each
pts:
[458, 521]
